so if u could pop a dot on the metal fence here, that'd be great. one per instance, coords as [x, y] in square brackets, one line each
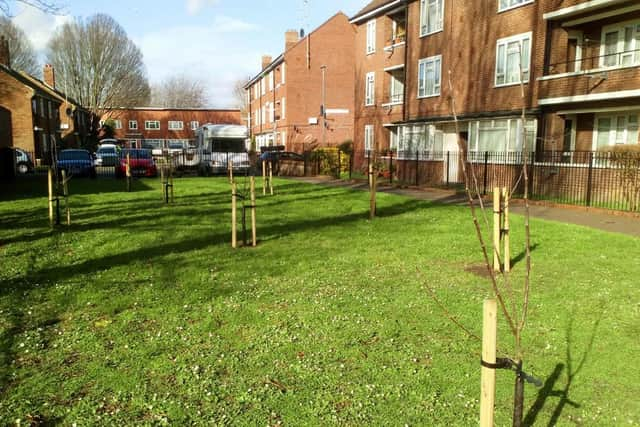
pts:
[600, 179]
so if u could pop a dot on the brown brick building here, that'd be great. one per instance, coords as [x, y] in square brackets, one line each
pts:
[158, 127]
[286, 97]
[418, 61]
[34, 116]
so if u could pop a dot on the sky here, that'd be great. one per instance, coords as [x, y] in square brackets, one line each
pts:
[217, 41]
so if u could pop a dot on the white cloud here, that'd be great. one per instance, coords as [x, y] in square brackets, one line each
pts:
[195, 6]
[214, 54]
[39, 26]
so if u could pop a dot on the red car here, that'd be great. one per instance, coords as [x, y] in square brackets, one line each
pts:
[141, 162]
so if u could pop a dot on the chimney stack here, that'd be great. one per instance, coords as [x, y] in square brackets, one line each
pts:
[290, 39]
[5, 55]
[266, 60]
[49, 75]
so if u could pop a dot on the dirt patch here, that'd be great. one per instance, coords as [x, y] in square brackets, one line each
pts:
[479, 270]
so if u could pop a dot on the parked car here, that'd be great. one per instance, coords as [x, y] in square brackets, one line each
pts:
[24, 164]
[140, 160]
[76, 163]
[276, 156]
[107, 155]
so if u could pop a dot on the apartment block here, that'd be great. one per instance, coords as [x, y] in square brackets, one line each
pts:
[304, 98]
[572, 66]
[160, 128]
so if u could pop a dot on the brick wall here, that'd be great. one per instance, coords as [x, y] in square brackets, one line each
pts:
[16, 98]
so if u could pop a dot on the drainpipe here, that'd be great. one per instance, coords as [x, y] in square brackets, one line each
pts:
[406, 63]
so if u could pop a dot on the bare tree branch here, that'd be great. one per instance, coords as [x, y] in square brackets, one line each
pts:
[98, 65]
[23, 56]
[50, 7]
[180, 91]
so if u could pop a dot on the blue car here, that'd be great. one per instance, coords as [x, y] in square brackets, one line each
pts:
[76, 163]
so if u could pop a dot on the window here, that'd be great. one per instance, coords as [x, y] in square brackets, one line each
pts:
[194, 125]
[510, 4]
[431, 16]
[620, 45]
[283, 72]
[117, 124]
[283, 141]
[396, 90]
[42, 108]
[429, 76]
[271, 79]
[152, 124]
[282, 109]
[176, 125]
[50, 109]
[34, 106]
[263, 116]
[501, 135]
[370, 84]
[133, 125]
[422, 141]
[513, 55]
[272, 113]
[368, 137]
[371, 36]
[263, 86]
[256, 90]
[616, 130]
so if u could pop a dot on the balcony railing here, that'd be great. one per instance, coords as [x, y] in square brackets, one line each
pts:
[627, 58]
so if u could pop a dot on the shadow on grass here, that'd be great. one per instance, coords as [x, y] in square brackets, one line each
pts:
[518, 258]
[572, 370]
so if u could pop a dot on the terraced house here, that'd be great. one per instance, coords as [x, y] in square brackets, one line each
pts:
[573, 66]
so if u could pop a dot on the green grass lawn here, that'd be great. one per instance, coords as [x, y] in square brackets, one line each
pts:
[141, 313]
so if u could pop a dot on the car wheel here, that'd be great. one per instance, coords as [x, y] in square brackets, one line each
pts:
[23, 168]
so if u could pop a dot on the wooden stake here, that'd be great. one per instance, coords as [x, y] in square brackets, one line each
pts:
[507, 249]
[254, 241]
[162, 180]
[488, 375]
[264, 177]
[171, 181]
[230, 168]
[65, 192]
[50, 188]
[234, 231]
[372, 190]
[128, 172]
[271, 177]
[496, 228]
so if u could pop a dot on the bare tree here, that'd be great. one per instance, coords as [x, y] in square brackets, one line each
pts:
[23, 56]
[240, 97]
[180, 91]
[43, 5]
[98, 65]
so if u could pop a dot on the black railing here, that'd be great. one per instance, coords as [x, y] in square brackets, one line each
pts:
[592, 178]
[587, 63]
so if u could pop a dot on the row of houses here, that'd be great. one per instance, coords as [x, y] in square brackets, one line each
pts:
[393, 76]
[37, 117]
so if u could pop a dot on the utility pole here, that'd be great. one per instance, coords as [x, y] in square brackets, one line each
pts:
[323, 109]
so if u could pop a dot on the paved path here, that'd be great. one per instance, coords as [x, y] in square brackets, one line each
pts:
[570, 215]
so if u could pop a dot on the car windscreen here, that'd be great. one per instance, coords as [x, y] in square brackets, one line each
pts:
[176, 145]
[106, 150]
[73, 155]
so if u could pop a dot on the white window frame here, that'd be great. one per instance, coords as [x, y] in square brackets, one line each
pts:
[263, 86]
[423, 72]
[613, 128]
[371, 37]
[282, 109]
[148, 124]
[194, 124]
[282, 73]
[425, 8]
[117, 124]
[513, 4]
[370, 89]
[369, 137]
[511, 122]
[133, 125]
[284, 138]
[526, 63]
[176, 125]
[621, 28]
[271, 81]
[578, 36]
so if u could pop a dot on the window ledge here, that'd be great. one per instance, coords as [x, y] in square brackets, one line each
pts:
[393, 46]
[431, 33]
[506, 9]
[391, 104]
[509, 84]
[428, 96]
